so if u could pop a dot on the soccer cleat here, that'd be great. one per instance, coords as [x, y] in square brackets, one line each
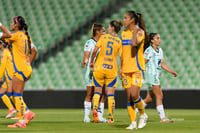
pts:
[17, 124]
[102, 120]
[16, 117]
[132, 126]
[11, 113]
[110, 121]
[143, 120]
[29, 116]
[86, 119]
[95, 116]
[166, 120]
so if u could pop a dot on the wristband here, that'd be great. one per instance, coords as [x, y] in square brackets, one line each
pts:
[0, 24]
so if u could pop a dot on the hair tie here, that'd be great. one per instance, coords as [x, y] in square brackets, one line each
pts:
[15, 18]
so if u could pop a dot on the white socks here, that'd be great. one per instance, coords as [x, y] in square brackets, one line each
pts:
[87, 108]
[101, 109]
[161, 112]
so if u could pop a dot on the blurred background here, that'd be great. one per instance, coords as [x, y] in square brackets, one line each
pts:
[60, 28]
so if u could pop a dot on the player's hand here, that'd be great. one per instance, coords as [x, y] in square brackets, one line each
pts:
[83, 64]
[174, 74]
[136, 28]
[91, 66]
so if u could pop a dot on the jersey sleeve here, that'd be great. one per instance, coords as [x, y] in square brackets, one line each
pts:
[147, 54]
[3, 64]
[88, 46]
[12, 38]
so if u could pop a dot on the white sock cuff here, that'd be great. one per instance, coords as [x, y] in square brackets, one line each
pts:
[87, 103]
[101, 105]
[160, 107]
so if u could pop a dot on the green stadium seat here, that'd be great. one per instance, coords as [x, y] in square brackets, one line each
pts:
[180, 19]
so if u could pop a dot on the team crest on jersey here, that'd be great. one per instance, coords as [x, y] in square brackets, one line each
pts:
[146, 53]
[86, 46]
[123, 35]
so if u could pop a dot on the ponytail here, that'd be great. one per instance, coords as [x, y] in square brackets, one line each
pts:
[143, 26]
[27, 34]
[95, 27]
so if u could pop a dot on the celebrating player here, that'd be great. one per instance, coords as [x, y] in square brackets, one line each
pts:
[20, 43]
[133, 65]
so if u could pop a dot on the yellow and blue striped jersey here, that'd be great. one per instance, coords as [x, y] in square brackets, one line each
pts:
[20, 51]
[106, 60]
[6, 65]
[133, 60]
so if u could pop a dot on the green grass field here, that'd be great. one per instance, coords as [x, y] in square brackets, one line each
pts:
[71, 120]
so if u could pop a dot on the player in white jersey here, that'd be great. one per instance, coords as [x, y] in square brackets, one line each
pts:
[96, 32]
[154, 62]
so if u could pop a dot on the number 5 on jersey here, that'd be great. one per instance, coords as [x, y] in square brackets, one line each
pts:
[109, 45]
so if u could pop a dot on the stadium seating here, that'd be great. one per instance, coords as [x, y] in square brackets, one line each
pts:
[177, 22]
[48, 20]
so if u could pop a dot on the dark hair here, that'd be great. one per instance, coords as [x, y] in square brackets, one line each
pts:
[138, 17]
[23, 26]
[117, 25]
[95, 27]
[151, 36]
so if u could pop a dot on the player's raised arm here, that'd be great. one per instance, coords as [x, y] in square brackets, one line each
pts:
[6, 33]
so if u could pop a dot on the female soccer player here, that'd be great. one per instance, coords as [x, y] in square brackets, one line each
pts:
[154, 62]
[20, 42]
[133, 66]
[7, 70]
[96, 32]
[105, 68]
[28, 113]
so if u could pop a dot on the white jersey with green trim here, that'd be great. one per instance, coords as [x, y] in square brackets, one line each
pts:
[153, 57]
[89, 46]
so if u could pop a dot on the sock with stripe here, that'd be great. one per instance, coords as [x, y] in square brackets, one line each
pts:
[6, 101]
[111, 106]
[10, 95]
[96, 99]
[20, 106]
[131, 111]
[139, 104]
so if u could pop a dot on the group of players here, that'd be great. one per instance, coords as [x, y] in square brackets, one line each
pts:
[17, 54]
[141, 59]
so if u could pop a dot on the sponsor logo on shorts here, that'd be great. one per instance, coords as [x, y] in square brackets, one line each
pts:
[137, 81]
